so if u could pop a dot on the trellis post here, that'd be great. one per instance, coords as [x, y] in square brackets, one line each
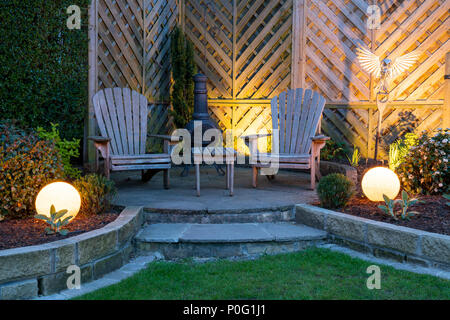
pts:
[89, 154]
[299, 14]
[446, 106]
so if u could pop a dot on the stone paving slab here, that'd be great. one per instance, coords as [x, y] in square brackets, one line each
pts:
[289, 232]
[287, 189]
[228, 233]
[233, 232]
[163, 232]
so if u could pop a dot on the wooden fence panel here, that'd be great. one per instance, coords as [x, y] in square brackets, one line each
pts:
[245, 47]
[120, 41]
[160, 19]
[209, 26]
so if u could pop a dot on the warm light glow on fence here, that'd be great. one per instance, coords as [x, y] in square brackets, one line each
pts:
[378, 181]
[60, 194]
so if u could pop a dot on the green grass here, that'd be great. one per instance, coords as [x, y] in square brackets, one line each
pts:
[311, 274]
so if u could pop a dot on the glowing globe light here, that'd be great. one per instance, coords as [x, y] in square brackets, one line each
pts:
[60, 194]
[378, 181]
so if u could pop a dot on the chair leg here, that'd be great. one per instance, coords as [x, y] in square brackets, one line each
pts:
[107, 168]
[313, 175]
[166, 179]
[255, 176]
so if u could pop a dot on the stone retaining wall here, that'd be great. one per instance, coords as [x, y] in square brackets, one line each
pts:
[379, 238]
[328, 167]
[41, 270]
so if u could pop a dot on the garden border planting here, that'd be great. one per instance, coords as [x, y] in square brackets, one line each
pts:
[379, 238]
[41, 270]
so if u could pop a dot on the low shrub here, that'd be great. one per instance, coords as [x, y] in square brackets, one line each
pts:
[67, 149]
[425, 168]
[334, 151]
[400, 148]
[334, 191]
[27, 163]
[96, 193]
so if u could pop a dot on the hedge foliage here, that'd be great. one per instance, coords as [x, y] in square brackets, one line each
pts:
[43, 65]
[27, 163]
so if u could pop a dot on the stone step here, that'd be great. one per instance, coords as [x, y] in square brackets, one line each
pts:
[285, 214]
[184, 240]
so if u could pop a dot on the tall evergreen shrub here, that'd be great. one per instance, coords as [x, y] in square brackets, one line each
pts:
[183, 70]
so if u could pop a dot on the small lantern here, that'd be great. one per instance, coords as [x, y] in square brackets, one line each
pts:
[378, 181]
[60, 194]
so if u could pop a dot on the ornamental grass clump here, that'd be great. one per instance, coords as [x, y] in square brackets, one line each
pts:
[334, 191]
[27, 163]
[425, 168]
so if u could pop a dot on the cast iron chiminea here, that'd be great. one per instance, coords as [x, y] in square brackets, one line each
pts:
[201, 114]
[201, 108]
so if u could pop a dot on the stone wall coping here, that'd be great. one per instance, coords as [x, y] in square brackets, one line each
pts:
[373, 222]
[376, 234]
[125, 217]
[49, 259]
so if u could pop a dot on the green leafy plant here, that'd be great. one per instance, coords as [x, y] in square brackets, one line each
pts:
[404, 203]
[55, 221]
[2, 217]
[356, 157]
[424, 169]
[447, 196]
[96, 193]
[27, 163]
[67, 149]
[334, 190]
[334, 151]
[183, 70]
[399, 150]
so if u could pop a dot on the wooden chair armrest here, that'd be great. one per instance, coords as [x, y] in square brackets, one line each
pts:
[255, 136]
[320, 138]
[165, 137]
[99, 139]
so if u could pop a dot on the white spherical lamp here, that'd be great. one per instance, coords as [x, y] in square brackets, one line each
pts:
[62, 195]
[378, 181]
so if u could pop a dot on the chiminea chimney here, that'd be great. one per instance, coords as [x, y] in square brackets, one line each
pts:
[201, 108]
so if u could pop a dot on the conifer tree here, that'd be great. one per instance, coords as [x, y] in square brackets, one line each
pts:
[183, 70]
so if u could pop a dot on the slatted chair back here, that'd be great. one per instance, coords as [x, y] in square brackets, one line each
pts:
[296, 115]
[122, 116]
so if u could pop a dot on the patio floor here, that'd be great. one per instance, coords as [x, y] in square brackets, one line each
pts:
[287, 189]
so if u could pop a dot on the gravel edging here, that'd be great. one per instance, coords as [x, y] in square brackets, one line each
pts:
[380, 239]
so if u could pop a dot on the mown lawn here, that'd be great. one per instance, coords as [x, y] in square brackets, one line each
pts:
[311, 274]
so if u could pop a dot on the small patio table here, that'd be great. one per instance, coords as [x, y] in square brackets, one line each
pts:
[211, 155]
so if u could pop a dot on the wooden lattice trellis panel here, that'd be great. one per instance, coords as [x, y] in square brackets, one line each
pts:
[209, 26]
[416, 25]
[263, 48]
[248, 50]
[159, 123]
[120, 39]
[160, 18]
[242, 46]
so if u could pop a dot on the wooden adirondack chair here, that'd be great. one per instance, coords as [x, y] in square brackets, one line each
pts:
[122, 116]
[296, 118]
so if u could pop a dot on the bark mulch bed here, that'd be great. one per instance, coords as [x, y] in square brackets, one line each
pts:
[434, 213]
[30, 231]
